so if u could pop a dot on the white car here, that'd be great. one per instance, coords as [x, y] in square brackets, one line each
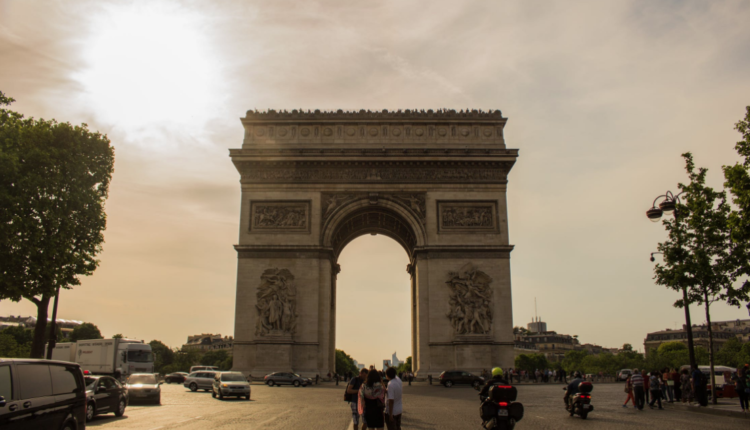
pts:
[623, 374]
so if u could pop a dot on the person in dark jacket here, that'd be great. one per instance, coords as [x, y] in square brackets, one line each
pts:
[497, 379]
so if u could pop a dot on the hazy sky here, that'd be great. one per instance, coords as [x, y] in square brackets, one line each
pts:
[602, 98]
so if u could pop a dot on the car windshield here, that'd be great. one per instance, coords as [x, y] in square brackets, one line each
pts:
[142, 379]
[140, 356]
[90, 382]
[296, 375]
[232, 377]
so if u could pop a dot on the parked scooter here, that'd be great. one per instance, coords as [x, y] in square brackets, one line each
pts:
[499, 410]
[580, 403]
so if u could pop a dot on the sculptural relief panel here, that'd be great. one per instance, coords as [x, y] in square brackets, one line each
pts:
[470, 304]
[276, 304]
[280, 216]
[467, 216]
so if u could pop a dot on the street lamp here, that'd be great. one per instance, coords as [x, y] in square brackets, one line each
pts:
[667, 206]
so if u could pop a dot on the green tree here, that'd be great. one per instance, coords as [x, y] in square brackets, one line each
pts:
[54, 180]
[20, 334]
[8, 346]
[405, 366]
[737, 182]
[182, 361]
[729, 354]
[671, 346]
[531, 362]
[163, 356]
[574, 360]
[344, 363]
[117, 336]
[214, 357]
[699, 246]
[85, 331]
[627, 347]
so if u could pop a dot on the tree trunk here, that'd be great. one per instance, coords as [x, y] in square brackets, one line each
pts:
[710, 349]
[40, 330]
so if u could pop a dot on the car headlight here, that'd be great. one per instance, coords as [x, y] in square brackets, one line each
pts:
[225, 385]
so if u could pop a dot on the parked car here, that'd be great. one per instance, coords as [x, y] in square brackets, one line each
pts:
[144, 386]
[450, 378]
[199, 368]
[177, 377]
[282, 378]
[41, 395]
[230, 384]
[623, 374]
[200, 380]
[104, 395]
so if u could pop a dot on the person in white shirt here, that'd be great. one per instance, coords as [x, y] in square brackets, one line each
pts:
[393, 407]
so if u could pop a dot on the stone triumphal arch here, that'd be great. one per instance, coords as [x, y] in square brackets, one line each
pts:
[434, 181]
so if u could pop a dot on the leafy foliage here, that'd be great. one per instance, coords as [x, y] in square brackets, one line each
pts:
[54, 180]
[117, 336]
[405, 366]
[344, 363]
[531, 362]
[85, 331]
[163, 355]
[734, 353]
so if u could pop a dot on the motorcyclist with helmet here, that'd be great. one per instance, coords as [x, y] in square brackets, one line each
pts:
[572, 387]
[497, 379]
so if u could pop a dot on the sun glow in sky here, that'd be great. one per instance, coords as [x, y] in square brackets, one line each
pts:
[151, 64]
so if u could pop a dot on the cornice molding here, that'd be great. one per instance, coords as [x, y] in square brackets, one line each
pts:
[272, 115]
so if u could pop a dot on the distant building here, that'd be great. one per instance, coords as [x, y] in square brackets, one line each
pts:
[537, 326]
[208, 342]
[357, 365]
[66, 326]
[523, 347]
[552, 345]
[393, 362]
[722, 332]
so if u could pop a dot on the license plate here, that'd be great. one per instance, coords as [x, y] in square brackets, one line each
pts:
[502, 413]
[586, 406]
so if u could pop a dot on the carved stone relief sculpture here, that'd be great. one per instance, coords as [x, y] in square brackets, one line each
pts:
[467, 216]
[277, 304]
[279, 216]
[470, 301]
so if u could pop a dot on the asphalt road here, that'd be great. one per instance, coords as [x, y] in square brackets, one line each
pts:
[425, 407]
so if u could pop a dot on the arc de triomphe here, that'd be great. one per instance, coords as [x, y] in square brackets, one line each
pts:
[434, 181]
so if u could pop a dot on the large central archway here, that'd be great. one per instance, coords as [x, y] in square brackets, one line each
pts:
[435, 182]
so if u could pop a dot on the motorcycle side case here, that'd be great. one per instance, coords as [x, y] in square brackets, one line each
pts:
[515, 410]
[504, 393]
[585, 387]
[488, 410]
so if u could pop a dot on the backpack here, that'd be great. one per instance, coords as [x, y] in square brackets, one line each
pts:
[350, 397]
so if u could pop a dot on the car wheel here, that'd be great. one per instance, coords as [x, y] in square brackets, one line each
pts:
[120, 408]
[296, 383]
[221, 395]
[213, 394]
[193, 387]
[270, 383]
[158, 400]
[248, 398]
[90, 412]
[448, 384]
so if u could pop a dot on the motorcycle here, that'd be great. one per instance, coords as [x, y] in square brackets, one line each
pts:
[580, 403]
[499, 410]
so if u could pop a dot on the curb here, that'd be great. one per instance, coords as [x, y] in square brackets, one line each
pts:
[710, 411]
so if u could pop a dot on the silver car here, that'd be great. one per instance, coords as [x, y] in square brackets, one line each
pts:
[230, 384]
[282, 378]
[200, 380]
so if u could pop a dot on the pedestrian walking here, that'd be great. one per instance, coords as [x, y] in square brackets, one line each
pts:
[636, 380]
[674, 376]
[372, 401]
[686, 387]
[336, 377]
[700, 389]
[629, 391]
[393, 406]
[429, 378]
[646, 386]
[655, 388]
[741, 387]
[352, 396]
[411, 376]
[668, 387]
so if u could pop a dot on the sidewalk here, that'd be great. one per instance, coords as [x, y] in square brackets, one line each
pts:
[725, 407]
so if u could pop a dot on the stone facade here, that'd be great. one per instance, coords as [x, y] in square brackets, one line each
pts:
[434, 181]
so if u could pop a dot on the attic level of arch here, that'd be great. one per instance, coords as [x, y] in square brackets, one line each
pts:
[362, 114]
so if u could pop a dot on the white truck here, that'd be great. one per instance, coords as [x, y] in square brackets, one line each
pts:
[117, 357]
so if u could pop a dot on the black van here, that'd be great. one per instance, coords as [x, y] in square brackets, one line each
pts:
[41, 394]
